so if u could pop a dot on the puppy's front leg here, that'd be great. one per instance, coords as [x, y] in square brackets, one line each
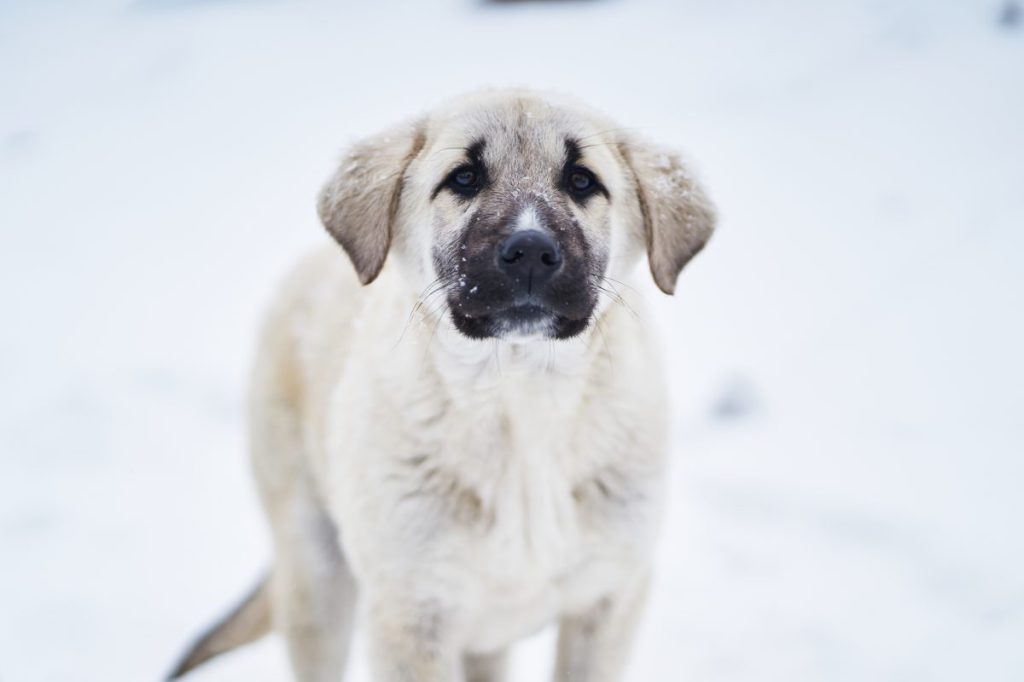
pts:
[593, 645]
[412, 640]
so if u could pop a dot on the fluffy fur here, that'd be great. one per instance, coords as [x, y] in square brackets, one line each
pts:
[471, 491]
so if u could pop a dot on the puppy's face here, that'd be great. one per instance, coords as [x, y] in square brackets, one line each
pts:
[516, 211]
[521, 218]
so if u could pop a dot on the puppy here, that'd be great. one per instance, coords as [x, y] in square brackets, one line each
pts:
[474, 443]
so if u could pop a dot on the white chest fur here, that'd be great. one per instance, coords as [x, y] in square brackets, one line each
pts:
[482, 484]
[541, 550]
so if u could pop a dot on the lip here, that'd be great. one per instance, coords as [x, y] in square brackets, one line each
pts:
[519, 320]
[519, 312]
[525, 313]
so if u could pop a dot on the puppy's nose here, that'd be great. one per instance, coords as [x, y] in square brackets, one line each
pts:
[529, 257]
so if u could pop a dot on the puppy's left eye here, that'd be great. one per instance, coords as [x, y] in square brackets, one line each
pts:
[581, 183]
[465, 180]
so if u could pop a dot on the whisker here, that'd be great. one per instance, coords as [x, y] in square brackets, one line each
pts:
[429, 291]
[613, 294]
[437, 310]
[602, 132]
[599, 144]
[453, 149]
[620, 299]
[620, 283]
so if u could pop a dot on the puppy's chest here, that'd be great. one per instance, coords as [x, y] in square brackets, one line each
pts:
[541, 543]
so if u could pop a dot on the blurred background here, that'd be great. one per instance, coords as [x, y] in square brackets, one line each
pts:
[845, 356]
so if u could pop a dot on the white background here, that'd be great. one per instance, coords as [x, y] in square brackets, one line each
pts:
[845, 356]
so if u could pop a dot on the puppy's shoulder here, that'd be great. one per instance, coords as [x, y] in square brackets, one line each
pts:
[311, 310]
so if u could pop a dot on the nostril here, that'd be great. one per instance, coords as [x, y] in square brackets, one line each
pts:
[550, 258]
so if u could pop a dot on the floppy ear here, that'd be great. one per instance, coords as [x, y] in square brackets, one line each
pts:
[678, 217]
[359, 203]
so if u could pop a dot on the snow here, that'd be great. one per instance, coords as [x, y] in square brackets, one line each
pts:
[845, 356]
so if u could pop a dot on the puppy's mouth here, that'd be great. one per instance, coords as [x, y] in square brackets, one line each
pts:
[522, 285]
[518, 321]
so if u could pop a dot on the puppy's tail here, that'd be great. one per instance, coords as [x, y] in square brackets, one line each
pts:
[246, 623]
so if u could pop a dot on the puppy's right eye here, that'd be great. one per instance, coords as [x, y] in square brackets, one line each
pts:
[465, 181]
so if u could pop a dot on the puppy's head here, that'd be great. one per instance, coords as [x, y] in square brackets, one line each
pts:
[517, 210]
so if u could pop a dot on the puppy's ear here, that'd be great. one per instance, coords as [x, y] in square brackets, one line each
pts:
[678, 216]
[359, 203]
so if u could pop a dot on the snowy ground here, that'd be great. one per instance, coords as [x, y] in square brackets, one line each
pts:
[845, 356]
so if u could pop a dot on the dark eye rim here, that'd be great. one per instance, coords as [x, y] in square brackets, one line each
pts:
[594, 186]
[471, 189]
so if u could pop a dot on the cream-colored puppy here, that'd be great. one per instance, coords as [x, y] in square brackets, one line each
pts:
[474, 441]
